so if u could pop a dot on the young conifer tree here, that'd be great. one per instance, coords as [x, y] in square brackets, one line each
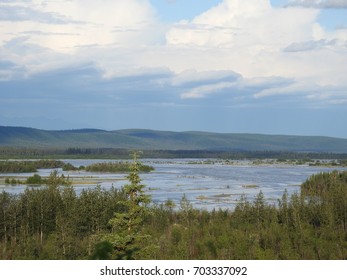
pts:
[127, 225]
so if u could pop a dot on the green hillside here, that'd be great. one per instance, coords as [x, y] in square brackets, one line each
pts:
[166, 140]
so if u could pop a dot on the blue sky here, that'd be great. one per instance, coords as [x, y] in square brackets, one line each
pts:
[254, 66]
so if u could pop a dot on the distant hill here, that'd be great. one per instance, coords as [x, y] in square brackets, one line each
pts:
[166, 140]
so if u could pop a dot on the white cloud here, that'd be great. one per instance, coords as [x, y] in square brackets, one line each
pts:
[320, 4]
[241, 23]
[309, 45]
[247, 36]
[227, 47]
[192, 77]
[255, 39]
[67, 25]
[18, 13]
[205, 90]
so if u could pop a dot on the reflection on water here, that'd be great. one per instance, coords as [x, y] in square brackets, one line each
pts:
[206, 186]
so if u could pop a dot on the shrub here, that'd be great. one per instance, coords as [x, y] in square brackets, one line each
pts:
[36, 179]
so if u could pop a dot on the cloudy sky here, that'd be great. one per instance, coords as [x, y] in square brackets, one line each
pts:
[255, 66]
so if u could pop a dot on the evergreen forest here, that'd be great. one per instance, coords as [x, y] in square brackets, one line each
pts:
[56, 223]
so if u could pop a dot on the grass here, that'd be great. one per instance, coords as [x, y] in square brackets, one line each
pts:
[250, 186]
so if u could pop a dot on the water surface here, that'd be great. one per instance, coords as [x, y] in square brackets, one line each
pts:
[206, 186]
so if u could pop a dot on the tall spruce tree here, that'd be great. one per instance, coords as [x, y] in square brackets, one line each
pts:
[127, 224]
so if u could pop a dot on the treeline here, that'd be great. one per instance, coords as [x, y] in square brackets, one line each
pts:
[55, 223]
[325, 184]
[28, 166]
[116, 167]
[112, 153]
[33, 166]
[17, 166]
[61, 153]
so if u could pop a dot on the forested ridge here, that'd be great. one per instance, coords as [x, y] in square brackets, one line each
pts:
[55, 223]
[143, 139]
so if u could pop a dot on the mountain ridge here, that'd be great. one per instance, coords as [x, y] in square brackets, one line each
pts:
[148, 139]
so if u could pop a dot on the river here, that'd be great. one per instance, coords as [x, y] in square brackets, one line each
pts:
[206, 186]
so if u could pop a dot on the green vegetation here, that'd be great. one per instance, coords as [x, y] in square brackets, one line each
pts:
[32, 166]
[116, 153]
[55, 223]
[250, 186]
[70, 167]
[28, 166]
[333, 163]
[117, 167]
[127, 236]
[12, 181]
[325, 184]
[165, 140]
[36, 179]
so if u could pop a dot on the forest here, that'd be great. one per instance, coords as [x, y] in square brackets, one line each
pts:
[117, 153]
[28, 166]
[20, 166]
[56, 223]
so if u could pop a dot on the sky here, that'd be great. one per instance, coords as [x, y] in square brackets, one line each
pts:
[230, 66]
